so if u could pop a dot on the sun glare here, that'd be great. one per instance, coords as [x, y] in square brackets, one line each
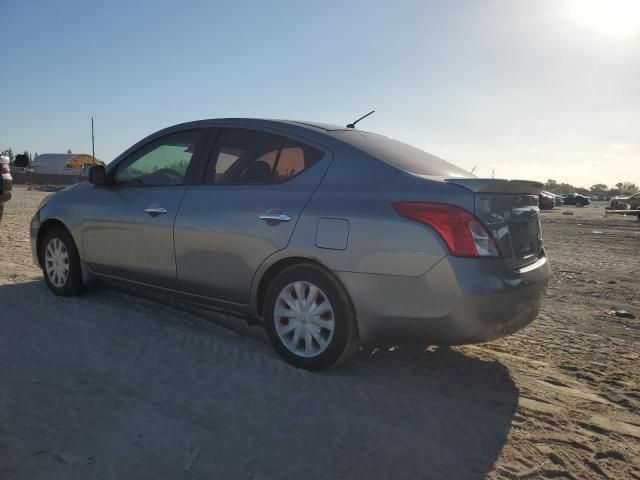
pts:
[616, 18]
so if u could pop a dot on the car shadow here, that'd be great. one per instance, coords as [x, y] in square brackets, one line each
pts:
[111, 386]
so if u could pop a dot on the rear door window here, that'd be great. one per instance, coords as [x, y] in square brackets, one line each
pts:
[244, 157]
[291, 162]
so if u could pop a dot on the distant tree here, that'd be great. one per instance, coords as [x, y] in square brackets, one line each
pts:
[566, 188]
[599, 189]
[627, 188]
[10, 153]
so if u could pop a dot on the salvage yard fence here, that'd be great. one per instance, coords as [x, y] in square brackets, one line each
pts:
[24, 178]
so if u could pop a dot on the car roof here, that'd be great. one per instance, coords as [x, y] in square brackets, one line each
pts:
[318, 131]
[397, 154]
[327, 127]
[319, 127]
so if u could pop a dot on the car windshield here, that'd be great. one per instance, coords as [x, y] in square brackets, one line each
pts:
[400, 155]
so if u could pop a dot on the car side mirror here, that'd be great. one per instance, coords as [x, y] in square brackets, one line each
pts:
[21, 161]
[97, 175]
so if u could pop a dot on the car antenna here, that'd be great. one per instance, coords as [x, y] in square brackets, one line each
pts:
[353, 125]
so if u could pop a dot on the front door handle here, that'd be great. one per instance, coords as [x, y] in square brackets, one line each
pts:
[274, 216]
[156, 210]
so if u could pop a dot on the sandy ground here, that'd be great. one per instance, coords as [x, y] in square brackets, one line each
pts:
[111, 386]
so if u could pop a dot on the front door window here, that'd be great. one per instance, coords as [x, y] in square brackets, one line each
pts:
[163, 162]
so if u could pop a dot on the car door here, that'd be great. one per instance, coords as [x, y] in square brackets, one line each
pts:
[128, 231]
[255, 187]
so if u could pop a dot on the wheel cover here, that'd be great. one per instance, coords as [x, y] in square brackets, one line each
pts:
[56, 261]
[304, 319]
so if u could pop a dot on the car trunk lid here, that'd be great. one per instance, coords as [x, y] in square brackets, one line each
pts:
[509, 210]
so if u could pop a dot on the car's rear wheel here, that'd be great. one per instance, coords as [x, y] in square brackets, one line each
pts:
[61, 263]
[309, 318]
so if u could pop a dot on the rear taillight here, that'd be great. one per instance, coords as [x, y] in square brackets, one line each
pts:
[463, 233]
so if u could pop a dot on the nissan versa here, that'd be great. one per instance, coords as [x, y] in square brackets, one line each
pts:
[331, 235]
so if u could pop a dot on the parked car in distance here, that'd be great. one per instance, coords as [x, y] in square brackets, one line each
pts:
[558, 199]
[330, 236]
[633, 201]
[546, 200]
[576, 199]
[6, 181]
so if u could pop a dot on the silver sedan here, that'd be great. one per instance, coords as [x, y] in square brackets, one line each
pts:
[330, 236]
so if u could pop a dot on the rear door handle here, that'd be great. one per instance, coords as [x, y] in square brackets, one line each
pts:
[156, 210]
[274, 216]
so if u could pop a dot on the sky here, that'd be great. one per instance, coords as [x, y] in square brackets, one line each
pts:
[531, 89]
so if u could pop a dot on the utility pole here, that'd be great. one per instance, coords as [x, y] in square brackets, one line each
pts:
[93, 144]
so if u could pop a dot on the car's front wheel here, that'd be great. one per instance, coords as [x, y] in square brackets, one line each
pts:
[61, 263]
[309, 318]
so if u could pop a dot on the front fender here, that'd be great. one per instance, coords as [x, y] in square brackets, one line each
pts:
[66, 207]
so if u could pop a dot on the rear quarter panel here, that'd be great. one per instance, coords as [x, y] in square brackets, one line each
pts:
[361, 189]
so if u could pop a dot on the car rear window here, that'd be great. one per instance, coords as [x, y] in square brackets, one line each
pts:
[401, 155]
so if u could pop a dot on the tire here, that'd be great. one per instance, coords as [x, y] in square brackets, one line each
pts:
[328, 348]
[61, 242]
